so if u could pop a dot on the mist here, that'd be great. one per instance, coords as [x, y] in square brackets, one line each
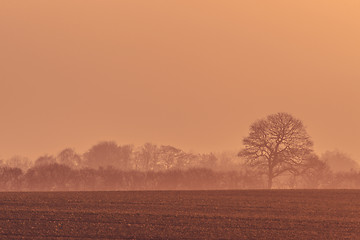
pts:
[107, 166]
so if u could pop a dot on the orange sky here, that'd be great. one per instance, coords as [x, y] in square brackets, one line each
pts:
[192, 74]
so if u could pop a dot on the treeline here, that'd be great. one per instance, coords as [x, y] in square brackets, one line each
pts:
[59, 177]
[148, 157]
[110, 167]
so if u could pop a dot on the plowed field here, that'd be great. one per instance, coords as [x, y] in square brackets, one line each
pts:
[248, 214]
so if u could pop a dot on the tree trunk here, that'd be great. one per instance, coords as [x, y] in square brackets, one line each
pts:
[270, 177]
[270, 182]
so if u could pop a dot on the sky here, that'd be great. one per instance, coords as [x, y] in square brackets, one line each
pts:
[191, 74]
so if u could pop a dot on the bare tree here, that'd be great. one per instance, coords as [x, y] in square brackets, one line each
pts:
[276, 145]
[147, 157]
[171, 157]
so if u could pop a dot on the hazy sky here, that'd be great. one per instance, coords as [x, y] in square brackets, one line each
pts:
[192, 74]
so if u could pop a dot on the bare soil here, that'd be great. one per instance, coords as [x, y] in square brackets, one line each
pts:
[248, 214]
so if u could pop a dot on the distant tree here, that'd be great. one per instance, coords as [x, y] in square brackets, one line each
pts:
[147, 157]
[54, 177]
[346, 180]
[277, 144]
[228, 161]
[10, 178]
[23, 163]
[150, 157]
[69, 158]
[314, 173]
[187, 160]
[109, 154]
[126, 153]
[339, 162]
[208, 161]
[171, 157]
[45, 160]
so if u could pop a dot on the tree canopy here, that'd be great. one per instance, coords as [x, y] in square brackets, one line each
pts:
[277, 144]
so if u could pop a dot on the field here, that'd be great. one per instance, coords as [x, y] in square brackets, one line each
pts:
[248, 214]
